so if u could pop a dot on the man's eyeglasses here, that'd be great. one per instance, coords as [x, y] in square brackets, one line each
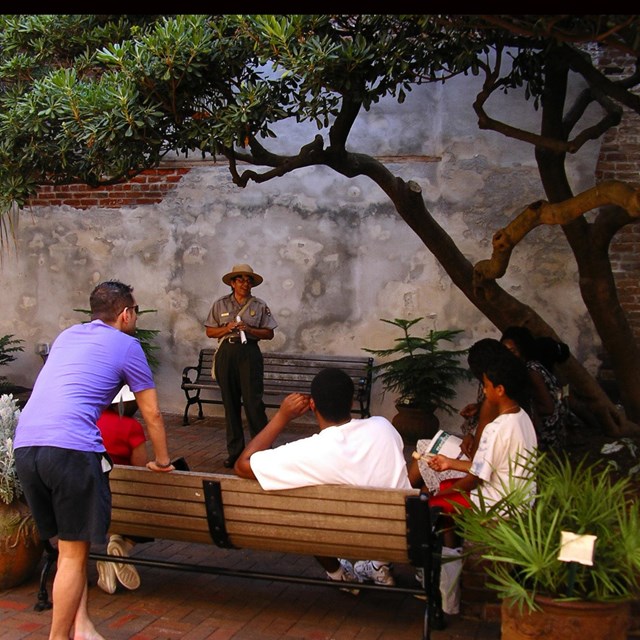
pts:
[136, 309]
[247, 279]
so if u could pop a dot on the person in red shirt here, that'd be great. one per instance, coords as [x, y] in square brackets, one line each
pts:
[125, 441]
[122, 435]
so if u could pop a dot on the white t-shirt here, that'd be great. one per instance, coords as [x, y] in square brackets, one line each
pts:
[364, 453]
[497, 458]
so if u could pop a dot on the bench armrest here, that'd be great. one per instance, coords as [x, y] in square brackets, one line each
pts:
[186, 377]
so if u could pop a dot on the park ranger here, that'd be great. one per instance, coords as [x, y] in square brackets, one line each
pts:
[238, 321]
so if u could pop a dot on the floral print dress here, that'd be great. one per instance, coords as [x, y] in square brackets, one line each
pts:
[551, 429]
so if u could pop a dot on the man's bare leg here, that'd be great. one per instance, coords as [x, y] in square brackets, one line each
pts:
[84, 628]
[70, 593]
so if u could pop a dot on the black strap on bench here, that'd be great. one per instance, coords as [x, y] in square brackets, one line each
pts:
[215, 513]
[424, 548]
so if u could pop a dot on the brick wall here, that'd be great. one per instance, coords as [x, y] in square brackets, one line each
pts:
[150, 187]
[620, 160]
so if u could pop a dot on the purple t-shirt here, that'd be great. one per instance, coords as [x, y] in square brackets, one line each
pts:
[86, 367]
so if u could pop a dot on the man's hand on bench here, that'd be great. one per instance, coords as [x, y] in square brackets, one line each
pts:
[154, 466]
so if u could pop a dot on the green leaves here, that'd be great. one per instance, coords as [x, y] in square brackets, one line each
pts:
[9, 346]
[424, 375]
[93, 98]
[523, 543]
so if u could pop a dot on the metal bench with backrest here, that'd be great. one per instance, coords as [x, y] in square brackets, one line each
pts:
[284, 373]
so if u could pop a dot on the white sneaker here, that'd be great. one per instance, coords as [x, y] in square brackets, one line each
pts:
[374, 571]
[345, 574]
[106, 576]
[126, 574]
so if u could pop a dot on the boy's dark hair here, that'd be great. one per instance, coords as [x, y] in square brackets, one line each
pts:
[511, 372]
[108, 300]
[332, 391]
[551, 352]
[481, 353]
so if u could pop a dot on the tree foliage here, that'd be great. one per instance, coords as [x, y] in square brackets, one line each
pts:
[97, 99]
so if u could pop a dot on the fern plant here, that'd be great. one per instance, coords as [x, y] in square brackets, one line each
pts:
[9, 346]
[424, 375]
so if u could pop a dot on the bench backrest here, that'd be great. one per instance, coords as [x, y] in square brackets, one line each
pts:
[326, 520]
[293, 372]
[286, 373]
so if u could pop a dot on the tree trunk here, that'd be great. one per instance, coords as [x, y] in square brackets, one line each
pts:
[496, 304]
[589, 243]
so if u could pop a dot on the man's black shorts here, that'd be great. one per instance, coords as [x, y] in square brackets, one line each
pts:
[67, 491]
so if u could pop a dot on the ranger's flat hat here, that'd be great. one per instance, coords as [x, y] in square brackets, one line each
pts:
[242, 270]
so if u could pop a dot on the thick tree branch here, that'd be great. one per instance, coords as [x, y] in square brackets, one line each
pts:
[282, 165]
[541, 212]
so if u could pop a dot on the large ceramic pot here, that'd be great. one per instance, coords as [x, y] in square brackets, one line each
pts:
[414, 424]
[20, 546]
[579, 620]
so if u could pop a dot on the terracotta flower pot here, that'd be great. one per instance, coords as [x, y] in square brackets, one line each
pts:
[414, 424]
[20, 546]
[579, 620]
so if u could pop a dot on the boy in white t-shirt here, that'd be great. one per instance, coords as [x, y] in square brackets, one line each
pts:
[362, 452]
[504, 443]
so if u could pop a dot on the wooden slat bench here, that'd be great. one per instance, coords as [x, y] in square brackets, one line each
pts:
[284, 373]
[231, 512]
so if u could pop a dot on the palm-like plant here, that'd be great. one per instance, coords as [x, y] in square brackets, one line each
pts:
[523, 544]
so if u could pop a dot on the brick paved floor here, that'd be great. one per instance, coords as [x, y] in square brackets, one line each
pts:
[178, 604]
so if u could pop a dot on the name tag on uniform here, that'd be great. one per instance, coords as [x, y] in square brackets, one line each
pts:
[224, 314]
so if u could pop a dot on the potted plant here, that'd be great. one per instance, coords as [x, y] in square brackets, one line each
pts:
[20, 545]
[569, 566]
[9, 346]
[424, 375]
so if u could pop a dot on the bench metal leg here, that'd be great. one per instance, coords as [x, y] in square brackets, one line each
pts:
[190, 401]
[43, 602]
[425, 549]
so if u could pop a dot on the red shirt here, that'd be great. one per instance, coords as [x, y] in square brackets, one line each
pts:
[120, 435]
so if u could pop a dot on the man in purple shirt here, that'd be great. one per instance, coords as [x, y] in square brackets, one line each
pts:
[60, 458]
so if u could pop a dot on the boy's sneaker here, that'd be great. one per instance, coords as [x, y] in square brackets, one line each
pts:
[106, 576]
[345, 574]
[126, 574]
[373, 571]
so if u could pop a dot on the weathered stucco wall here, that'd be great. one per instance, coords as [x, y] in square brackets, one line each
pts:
[334, 254]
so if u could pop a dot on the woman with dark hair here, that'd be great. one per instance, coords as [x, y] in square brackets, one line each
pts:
[551, 352]
[548, 411]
